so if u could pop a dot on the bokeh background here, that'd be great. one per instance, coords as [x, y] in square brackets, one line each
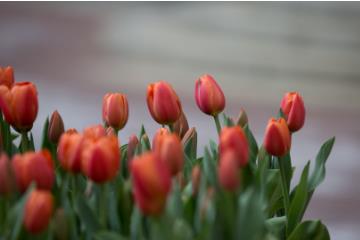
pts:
[76, 52]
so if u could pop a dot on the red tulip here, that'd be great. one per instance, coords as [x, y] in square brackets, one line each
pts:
[115, 110]
[7, 76]
[234, 139]
[209, 96]
[35, 167]
[6, 175]
[160, 133]
[293, 108]
[69, 151]
[277, 140]
[19, 105]
[38, 210]
[56, 127]
[151, 183]
[100, 157]
[229, 171]
[132, 145]
[163, 103]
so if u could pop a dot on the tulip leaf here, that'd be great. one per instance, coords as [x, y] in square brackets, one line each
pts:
[86, 215]
[276, 225]
[107, 235]
[124, 161]
[174, 202]
[314, 230]
[298, 202]
[113, 217]
[209, 166]
[181, 230]
[253, 147]
[45, 143]
[281, 114]
[135, 227]
[227, 121]
[6, 136]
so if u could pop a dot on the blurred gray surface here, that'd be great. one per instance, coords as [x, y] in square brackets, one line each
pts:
[76, 52]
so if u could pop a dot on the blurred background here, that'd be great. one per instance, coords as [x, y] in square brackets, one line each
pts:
[76, 52]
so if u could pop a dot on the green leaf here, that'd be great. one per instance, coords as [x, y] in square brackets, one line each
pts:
[318, 174]
[86, 215]
[313, 230]
[298, 203]
[253, 147]
[228, 122]
[45, 143]
[276, 225]
[210, 168]
[181, 230]
[135, 227]
[113, 217]
[174, 202]
[106, 235]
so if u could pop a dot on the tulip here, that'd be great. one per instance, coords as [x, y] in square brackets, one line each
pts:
[181, 125]
[101, 158]
[35, 167]
[293, 108]
[170, 151]
[160, 133]
[151, 183]
[228, 171]
[19, 105]
[71, 130]
[242, 119]
[234, 139]
[277, 140]
[95, 132]
[69, 151]
[7, 76]
[163, 103]
[209, 96]
[115, 110]
[195, 178]
[56, 127]
[38, 210]
[133, 143]
[6, 175]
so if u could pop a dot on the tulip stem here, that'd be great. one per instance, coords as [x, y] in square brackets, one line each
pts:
[102, 203]
[171, 127]
[24, 144]
[217, 122]
[284, 185]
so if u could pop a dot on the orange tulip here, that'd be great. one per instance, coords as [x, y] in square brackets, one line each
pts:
[7, 76]
[151, 183]
[229, 171]
[209, 96]
[115, 110]
[293, 108]
[163, 103]
[6, 175]
[277, 140]
[69, 151]
[170, 150]
[234, 139]
[38, 210]
[100, 155]
[19, 105]
[160, 133]
[35, 167]
[56, 127]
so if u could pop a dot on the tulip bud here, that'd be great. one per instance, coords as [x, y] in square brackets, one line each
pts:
[163, 103]
[242, 119]
[293, 108]
[277, 140]
[69, 151]
[19, 105]
[115, 110]
[181, 125]
[35, 167]
[7, 181]
[56, 127]
[7, 76]
[38, 211]
[229, 171]
[170, 151]
[133, 142]
[234, 139]
[151, 183]
[209, 96]
[195, 179]
[160, 133]
[101, 158]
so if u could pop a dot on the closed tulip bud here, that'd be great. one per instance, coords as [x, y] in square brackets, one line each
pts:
[181, 125]
[35, 167]
[7, 181]
[69, 151]
[151, 183]
[115, 110]
[170, 151]
[38, 210]
[7, 76]
[277, 140]
[133, 142]
[101, 158]
[160, 133]
[229, 171]
[293, 108]
[234, 139]
[19, 105]
[56, 127]
[242, 119]
[209, 96]
[163, 103]
[195, 179]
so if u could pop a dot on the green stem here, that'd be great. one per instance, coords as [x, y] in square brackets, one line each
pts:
[102, 203]
[24, 144]
[217, 122]
[171, 127]
[284, 186]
